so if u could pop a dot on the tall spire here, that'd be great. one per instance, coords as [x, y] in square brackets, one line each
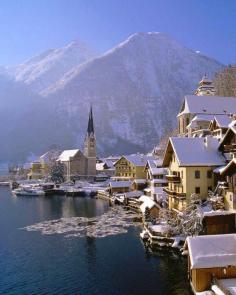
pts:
[90, 129]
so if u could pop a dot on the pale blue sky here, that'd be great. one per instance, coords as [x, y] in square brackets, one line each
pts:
[28, 27]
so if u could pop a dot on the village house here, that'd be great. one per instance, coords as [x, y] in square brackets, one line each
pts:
[106, 166]
[226, 174]
[119, 186]
[147, 204]
[212, 263]
[41, 168]
[190, 163]
[156, 180]
[131, 166]
[219, 125]
[81, 164]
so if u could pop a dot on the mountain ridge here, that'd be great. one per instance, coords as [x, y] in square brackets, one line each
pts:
[135, 89]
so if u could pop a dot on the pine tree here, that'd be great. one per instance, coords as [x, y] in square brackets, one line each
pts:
[57, 172]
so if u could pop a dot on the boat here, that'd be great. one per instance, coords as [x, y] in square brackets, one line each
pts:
[28, 192]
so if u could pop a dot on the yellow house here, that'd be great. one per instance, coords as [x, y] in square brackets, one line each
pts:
[41, 168]
[190, 163]
[131, 167]
[35, 171]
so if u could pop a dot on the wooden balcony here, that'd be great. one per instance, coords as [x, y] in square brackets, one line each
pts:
[173, 178]
[230, 148]
[174, 193]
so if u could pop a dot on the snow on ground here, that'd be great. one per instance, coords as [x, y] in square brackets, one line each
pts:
[115, 221]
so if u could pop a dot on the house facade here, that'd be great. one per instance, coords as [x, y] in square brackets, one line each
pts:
[131, 167]
[190, 163]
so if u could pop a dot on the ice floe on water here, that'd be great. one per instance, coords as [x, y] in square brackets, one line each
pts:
[115, 221]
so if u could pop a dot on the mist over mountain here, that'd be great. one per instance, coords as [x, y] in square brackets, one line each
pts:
[46, 68]
[135, 89]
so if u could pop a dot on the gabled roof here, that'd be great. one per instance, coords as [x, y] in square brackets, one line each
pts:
[212, 251]
[231, 130]
[50, 156]
[193, 151]
[231, 164]
[208, 105]
[222, 121]
[119, 184]
[67, 154]
[137, 159]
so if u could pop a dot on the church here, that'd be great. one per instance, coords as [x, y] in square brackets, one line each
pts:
[81, 164]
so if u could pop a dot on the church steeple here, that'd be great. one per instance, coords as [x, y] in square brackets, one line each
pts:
[205, 87]
[90, 129]
[90, 145]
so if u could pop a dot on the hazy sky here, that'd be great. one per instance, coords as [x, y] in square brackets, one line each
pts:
[28, 27]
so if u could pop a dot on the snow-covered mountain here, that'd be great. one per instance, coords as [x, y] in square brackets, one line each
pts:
[135, 89]
[46, 68]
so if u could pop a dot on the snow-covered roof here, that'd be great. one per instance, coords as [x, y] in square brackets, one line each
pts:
[117, 184]
[228, 285]
[203, 117]
[197, 151]
[50, 156]
[147, 202]
[159, 180]
[208, 105]
[67, 154]
[222, 121]
[212, 251]
[140, 181]
[219, 169]
[226, 167]
[138, 159]
[99, 166]
[158, 171]
[133, 194]
[160, 228]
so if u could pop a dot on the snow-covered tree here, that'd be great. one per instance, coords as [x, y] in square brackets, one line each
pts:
[57, 172]
[191, 219]
[172, 219]
[147, 214]
[216, 201]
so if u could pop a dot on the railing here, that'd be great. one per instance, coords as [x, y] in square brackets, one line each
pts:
[230, 147]
[174, 193]
[173, 178]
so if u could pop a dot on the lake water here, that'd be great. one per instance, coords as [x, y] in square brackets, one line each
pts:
[44, 249]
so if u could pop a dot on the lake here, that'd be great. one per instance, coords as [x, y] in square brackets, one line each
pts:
[59, 245]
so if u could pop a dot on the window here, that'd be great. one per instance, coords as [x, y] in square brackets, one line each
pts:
[197, 174]
[197, 190]
[187, 122]
[182, 174]
[209, 174]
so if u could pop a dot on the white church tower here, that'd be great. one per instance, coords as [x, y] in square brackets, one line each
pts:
[90, 147]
